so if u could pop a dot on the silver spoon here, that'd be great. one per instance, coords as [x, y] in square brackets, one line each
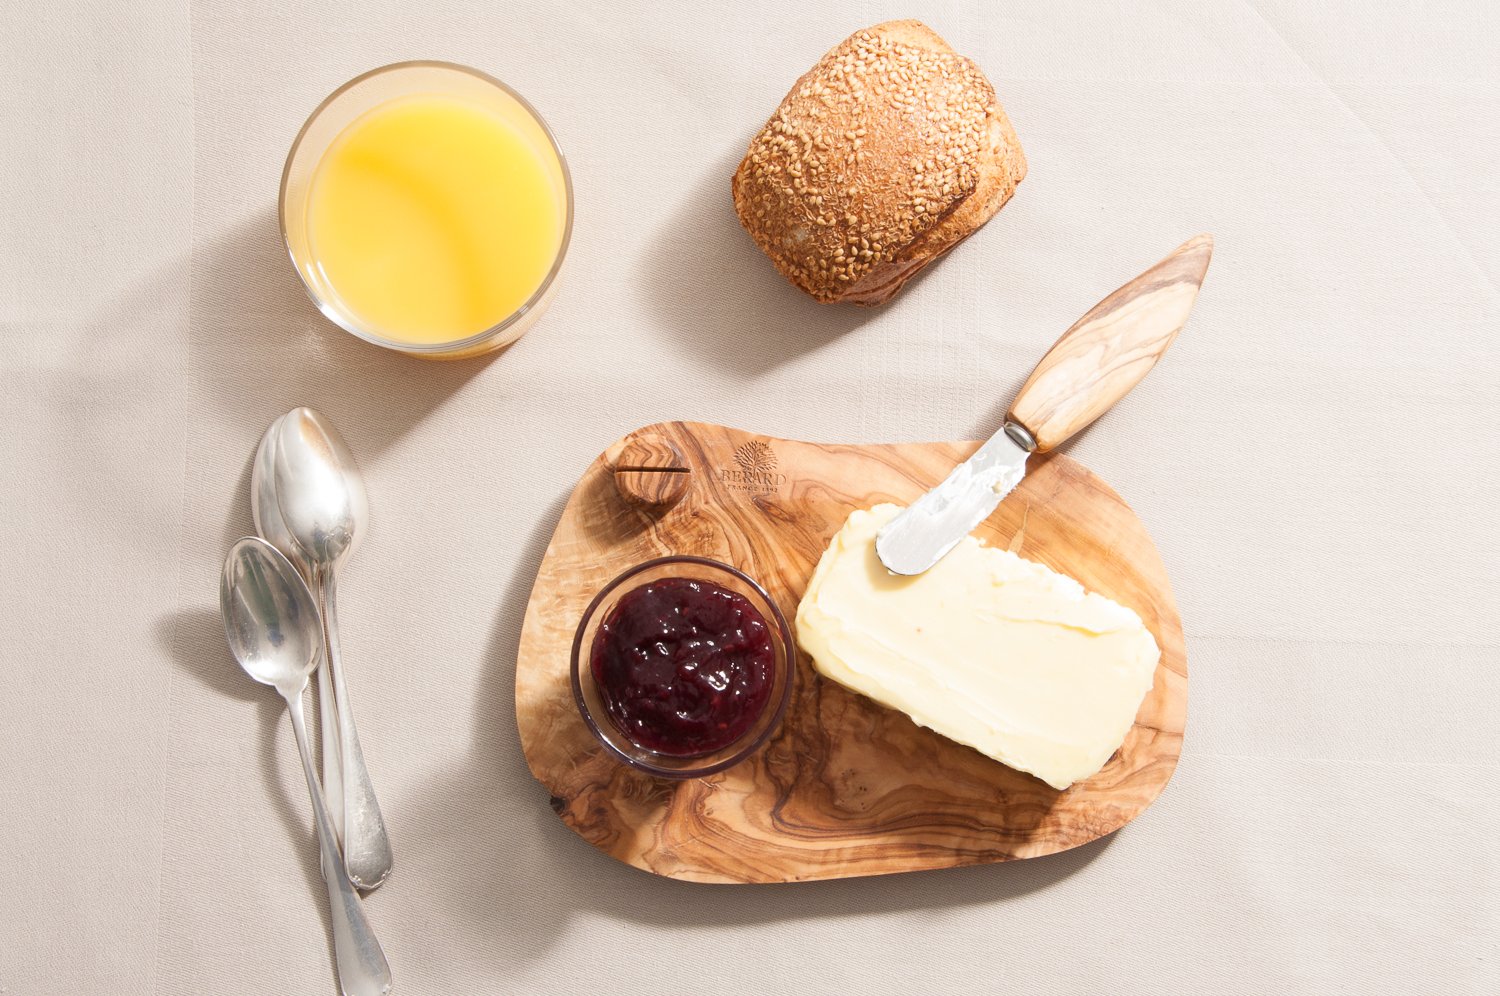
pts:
[272, 528]
[272, 627]
[322, 500]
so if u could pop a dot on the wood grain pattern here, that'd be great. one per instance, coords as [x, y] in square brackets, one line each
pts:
[1109, 350]
[649, 470]
[846, 787]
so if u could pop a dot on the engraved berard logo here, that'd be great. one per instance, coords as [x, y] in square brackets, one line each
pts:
[755, 472]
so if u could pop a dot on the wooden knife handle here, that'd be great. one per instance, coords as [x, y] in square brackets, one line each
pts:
[1109, 350]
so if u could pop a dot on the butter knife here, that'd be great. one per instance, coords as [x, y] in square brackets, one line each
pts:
[1093, 365]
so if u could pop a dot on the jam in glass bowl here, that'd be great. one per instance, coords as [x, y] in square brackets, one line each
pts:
[682, 666]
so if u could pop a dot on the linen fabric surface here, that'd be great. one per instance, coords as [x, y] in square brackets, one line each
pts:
[1315, 457]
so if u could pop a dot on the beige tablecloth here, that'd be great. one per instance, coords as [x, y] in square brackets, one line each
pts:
[1316, 459]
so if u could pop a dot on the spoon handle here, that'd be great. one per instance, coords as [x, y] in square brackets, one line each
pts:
[328, 724]
[367, 847]
[362, 968]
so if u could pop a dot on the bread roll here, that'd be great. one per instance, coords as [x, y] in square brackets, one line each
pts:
[885, 155]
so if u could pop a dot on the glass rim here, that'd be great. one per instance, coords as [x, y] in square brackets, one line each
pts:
[478, 338]
[740, 752]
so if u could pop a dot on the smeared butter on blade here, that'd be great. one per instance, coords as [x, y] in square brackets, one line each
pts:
[924, 533]
[989, 649]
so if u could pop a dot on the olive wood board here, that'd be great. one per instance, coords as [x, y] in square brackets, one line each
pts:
[845, 787]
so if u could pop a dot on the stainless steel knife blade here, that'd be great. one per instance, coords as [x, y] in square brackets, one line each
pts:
[922, 534]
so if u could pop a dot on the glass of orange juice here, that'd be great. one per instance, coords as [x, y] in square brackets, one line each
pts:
[427, 208]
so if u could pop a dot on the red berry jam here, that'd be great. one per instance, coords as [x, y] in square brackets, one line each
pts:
[685, 667]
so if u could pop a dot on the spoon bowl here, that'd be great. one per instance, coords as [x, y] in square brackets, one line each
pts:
[270, 618]
[319, 492]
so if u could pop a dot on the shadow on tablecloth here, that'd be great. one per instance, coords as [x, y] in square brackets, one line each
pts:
[715, 295]
[259, 347]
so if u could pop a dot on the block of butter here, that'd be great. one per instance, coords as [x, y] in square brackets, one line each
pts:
[989, 649]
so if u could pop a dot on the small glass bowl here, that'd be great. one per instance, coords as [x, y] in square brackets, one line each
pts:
[591, 701]
[340, 109]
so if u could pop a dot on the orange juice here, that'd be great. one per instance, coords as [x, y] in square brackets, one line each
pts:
[433, 217]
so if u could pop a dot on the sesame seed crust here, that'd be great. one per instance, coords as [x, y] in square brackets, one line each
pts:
[858, 179]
